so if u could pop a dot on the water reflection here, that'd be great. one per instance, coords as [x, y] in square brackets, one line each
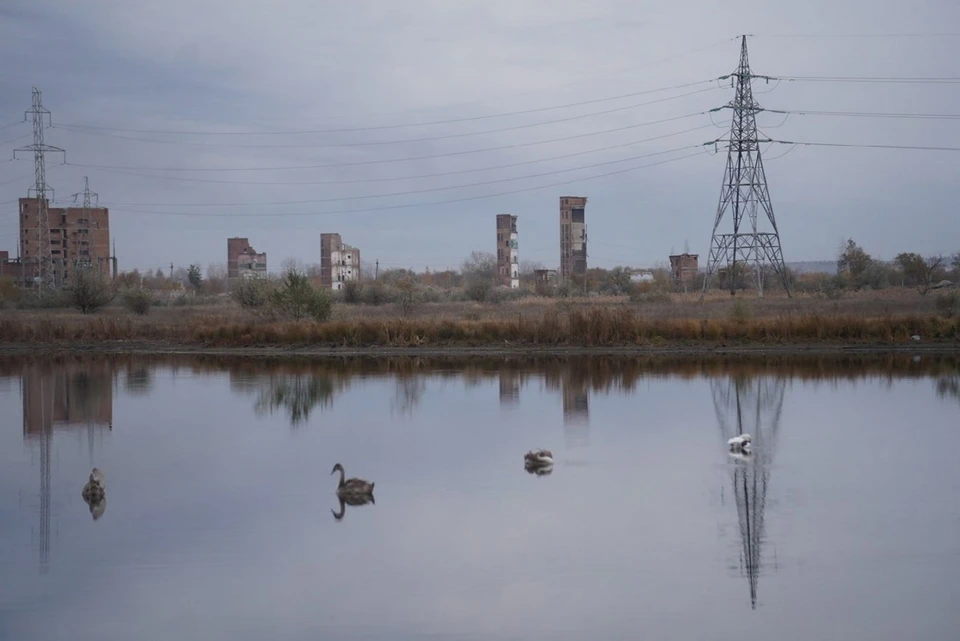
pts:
[58, 399]
[750, 406]
[353, 500]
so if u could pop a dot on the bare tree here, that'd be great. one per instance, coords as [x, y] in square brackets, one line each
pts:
[90, 290]
[919, 272]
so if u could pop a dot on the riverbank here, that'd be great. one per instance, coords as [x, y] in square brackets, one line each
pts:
[598, 329]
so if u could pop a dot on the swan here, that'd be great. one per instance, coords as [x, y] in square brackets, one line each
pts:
[538, 458]
[352, 487]
[94, 490]
[740, 443]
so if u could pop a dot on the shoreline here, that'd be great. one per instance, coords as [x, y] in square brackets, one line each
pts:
[160, 348]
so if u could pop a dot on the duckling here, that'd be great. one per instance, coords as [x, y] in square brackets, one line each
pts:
[354, 486]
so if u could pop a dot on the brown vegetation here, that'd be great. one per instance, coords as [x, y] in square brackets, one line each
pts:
[571, 325]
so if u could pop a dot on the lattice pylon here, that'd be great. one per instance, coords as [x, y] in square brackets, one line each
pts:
[745, 192]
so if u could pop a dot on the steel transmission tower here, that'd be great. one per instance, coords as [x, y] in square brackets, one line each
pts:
[84, 224]
[44, 275]
[745, 191]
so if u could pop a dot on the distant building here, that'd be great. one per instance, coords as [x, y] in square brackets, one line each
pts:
[79, 238]
[543, 277]
[508, 266]
[339, 263]
[573, 237]
[684, 267]
[243, 261]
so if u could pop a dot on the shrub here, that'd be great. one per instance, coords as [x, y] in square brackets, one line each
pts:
[352, 292]
[408, 296]
[947, 304]
[740, 311]
[478, 289]
[9, 292]
[137, 300]
[90, 291]
[252, 293]
[297, 299]
[375, 294]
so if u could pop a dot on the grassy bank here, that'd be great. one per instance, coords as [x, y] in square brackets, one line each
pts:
[596, 326]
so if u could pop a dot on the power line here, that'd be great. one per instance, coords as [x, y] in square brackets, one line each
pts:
[379, 143]
[406, 193]
[416, 177]
[384, 127]
[409, 205]
[865, 114]
[861, 146]
[407, 159]
[869, 79]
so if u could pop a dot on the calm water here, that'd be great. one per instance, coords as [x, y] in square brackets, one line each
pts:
[218, 521]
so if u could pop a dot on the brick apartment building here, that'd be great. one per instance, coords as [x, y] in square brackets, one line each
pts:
[339, 263]
[573, 236]
[79, 238]
[508, 266]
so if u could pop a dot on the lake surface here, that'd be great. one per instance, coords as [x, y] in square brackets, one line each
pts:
[219, 520]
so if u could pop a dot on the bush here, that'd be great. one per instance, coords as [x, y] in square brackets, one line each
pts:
[947, 304]
[137, 300]
[9, 292]
[478, 289]
[297, 299]
[252, 293]
[375, 294]
[740, 311]
[90, 291]
[352, 292]
[408, 296]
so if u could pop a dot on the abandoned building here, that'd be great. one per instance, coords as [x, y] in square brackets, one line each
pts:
[508, 266]
[243, 261]
[684, 267]
[339, 263]
[79, 238]
[573, 237]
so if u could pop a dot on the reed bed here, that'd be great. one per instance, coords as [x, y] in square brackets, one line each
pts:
[591, 327]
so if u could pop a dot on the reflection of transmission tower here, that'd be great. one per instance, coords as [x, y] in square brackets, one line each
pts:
[44, 273]
[750, 406]
[744, 191]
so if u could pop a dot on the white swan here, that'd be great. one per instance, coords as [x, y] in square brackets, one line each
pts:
[740, 443]
[538, 458]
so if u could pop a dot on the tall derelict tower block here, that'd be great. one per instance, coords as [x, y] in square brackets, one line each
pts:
[745, 191]
[43, 261]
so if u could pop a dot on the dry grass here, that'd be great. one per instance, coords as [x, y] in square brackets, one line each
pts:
[570, 325]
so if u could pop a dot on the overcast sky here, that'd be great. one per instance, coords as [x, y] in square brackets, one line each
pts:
[113, 71]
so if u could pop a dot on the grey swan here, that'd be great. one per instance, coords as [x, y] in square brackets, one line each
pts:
[352, 487]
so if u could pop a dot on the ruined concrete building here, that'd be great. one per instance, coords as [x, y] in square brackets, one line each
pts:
[339, 263]
[684, 267]
[79, 238]
[243, 261]
[573, 237]
[508, 265]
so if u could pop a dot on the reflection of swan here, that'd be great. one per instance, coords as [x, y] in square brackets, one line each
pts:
[97, 506]
[743, 456]
[539, 462]
[740, 443]
[353, 500]
[352, 487]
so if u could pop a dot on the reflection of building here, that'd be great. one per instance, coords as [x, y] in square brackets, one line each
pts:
[508, 266]
[509, 388]
[750, 406]
[65, 399]
[573, 237]
[339, 263]
[60, 397]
